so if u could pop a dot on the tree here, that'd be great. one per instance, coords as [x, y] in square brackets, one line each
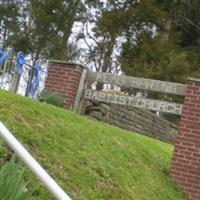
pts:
[100, 34]
[165, 49]
[40, 28]
[8, 20]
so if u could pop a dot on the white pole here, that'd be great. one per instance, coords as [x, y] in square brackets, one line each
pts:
[32, 164]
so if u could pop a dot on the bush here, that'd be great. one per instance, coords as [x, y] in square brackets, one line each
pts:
[52, 98]
[12, 186]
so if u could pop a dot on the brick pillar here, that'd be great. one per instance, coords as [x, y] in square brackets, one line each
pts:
[185, 169]
[64, 79]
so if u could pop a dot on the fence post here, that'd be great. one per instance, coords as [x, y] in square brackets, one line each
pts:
[185, 167]
[16, 76]
[9, 61]
[15, 82]
[78, 102]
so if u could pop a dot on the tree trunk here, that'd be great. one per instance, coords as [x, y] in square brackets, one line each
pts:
[107, 60]
[71, 21]
[167, 28]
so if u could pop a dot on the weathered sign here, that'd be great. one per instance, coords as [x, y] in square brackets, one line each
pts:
[139, 83]
[162, 106]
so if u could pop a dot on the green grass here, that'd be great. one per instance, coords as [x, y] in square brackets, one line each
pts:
[90, 160]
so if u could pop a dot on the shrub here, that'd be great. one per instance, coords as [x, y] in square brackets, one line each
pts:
[52, 98]
[12, 186]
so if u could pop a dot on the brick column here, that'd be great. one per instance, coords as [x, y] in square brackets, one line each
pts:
[64, 78]
[185, 169]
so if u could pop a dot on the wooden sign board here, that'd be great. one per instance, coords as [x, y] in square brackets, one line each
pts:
[138, 83]
[162, 106]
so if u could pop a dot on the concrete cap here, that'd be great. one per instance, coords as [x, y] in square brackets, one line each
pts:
[193, 79]
[67, 63]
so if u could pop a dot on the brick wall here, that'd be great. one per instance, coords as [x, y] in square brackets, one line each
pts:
[185, 169]
[64, 78]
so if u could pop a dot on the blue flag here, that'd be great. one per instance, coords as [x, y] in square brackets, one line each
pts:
[3, 57]
[35, 84]
[20, 62]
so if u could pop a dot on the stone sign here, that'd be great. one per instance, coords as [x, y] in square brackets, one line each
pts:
[162, 106]
[139, 83]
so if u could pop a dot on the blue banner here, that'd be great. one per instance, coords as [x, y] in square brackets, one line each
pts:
[35, 84]
[20, 62]
[3, 56]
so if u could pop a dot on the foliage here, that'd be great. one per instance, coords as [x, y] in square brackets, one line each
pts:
[52, 98]
[8, 20]
[90, 160]
[152, 58]
[11, 182]
[3, 152]
[39, 27]
[100, 33]
[165, 47]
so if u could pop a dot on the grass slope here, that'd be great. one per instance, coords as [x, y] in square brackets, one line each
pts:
[90, 160]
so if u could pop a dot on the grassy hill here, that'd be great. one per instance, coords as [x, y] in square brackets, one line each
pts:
[90, 160]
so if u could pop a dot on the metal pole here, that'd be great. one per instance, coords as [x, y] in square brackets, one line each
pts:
[32, 164]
